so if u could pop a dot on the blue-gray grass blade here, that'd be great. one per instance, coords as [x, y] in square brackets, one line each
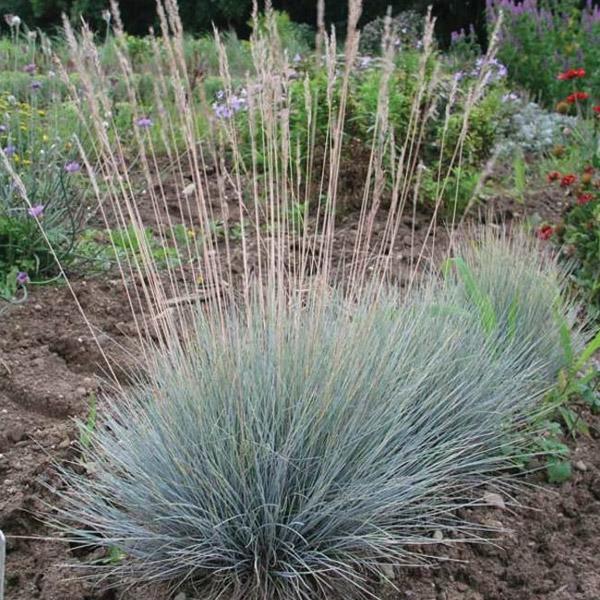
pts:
[2, 563]
[309, 444]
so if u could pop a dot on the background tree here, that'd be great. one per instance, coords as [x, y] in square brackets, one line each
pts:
[199, 15]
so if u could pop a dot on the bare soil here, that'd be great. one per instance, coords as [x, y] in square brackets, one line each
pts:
[50, 365]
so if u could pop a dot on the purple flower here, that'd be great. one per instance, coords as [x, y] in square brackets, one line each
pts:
[457, 36]
[237, 103]
[10, 150]
[3, 128]
[72, 167]
[511, 97]
[30, 68]
[502, 71]
[144, 122]
[22, 278]
[36, 211]
[36, 85]
[222, 111]
[364, 62]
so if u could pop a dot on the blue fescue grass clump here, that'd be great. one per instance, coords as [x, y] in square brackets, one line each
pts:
[300, 448]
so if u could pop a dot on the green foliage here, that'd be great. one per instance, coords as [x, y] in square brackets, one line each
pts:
[402, 87]
[578, 233]
[87, 429]
[580, 238]
[484, 122]
[478, 297]
[296, 38]
[12, 290]
[104, 249]
[313, 99]
[520, 176]
[406, 29]
[576, 391]
[456, 187]
[39, 159]
[541, 40]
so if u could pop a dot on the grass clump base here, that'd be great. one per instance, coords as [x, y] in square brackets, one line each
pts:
[303, 443]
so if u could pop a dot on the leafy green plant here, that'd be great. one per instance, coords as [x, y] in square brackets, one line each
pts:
[13, 288]
[406, 29]
[41, 212]
[86, 429]
[578, 234]
[577, 388]
[102, 249]
[457, 189]
[540, 39]
[478, 297]
[520, 176]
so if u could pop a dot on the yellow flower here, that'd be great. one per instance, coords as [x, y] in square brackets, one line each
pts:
[191, 233]
[45, 138]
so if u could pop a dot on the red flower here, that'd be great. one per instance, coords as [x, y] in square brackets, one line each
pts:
[553, 176]
[572, 74]
[584, 198]
[577, 96]
[568, 180]
[545, 232]
[596, 109]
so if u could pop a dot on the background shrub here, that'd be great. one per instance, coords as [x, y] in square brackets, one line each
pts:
[540, 40]
[138, 15]
[406, 30]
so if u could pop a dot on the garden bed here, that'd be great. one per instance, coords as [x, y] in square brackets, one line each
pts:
[551, 549]
[51, 367]
[291, 438]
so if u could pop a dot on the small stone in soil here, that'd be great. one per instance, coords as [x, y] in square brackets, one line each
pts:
[388, 571]
[494, 500]
[16, 434]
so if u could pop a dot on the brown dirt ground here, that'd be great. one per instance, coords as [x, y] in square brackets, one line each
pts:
[49, 366]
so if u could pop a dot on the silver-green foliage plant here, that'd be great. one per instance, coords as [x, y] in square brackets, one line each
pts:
[297, 446]
[534, 130]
